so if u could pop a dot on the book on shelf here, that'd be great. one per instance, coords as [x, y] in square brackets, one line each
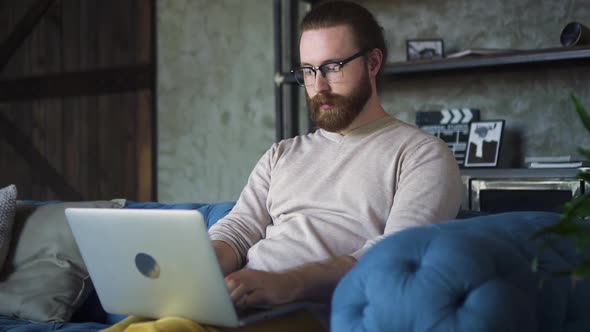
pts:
[551, 159]
[482, 51]
[564, 164]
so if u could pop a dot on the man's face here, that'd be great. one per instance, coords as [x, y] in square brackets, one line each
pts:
[333, 106]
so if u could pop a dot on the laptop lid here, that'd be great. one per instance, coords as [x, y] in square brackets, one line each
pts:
[153, 263]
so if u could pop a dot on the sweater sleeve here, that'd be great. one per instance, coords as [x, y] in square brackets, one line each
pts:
[246, 223]
[428, 190]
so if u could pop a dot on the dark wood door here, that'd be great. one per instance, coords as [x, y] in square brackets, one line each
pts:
[77, 103]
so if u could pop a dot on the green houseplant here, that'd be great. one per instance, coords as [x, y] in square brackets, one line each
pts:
[572, 223]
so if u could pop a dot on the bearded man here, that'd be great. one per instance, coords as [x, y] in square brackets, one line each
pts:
[314, 204]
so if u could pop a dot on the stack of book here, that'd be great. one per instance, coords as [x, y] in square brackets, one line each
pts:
[569, 164]
[555, 162]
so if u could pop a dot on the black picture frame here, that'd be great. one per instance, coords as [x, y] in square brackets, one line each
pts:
[424, 49]
[483, 145]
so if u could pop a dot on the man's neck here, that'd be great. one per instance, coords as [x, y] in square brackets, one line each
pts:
[371, 112]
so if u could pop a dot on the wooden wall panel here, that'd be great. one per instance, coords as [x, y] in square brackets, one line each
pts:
[101, 144]
[11, 163]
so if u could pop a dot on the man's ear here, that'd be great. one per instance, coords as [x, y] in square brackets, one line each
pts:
[375, 61]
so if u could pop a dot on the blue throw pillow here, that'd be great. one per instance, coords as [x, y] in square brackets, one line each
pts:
[211, 212]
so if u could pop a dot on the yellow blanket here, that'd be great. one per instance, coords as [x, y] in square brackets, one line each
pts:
[296, 322]
[176, 324]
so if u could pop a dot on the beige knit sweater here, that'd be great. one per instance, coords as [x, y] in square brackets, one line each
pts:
[324, 195]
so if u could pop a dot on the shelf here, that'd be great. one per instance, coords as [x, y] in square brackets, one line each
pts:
[520, 172]
[550, 55]
[542, 56]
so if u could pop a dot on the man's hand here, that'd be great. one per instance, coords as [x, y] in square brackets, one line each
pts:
[309, 282]
[249, 287]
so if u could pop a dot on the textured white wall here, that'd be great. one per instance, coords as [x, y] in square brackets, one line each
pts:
[215, 96]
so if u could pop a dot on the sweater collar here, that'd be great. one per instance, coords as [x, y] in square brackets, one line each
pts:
[361, 131]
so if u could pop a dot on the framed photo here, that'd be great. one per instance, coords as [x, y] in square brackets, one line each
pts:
[483, 145]
[424, 49]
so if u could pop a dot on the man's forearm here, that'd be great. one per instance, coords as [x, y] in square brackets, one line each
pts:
[317, 281]
[226, 257]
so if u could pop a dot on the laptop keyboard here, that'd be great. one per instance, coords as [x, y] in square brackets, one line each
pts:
[246, 312]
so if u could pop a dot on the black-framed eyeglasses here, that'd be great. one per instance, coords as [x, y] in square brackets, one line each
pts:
[331, 71]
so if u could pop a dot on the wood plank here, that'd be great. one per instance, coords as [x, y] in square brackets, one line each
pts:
[89, 46]
[90, 162]
[23, 28]
[129, 133]
[19, 171]
[10, 15]
[110, 155]
[145, 31]
[145, 111]
[25, 146]
[89, 23]
[46, 133]
[127, 42]
[111, 148]
[71, 35]
[74, 131]
[92, 82]
[11, 164]
[145, 146]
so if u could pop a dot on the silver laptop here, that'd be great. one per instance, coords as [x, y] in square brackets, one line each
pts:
[158, 263]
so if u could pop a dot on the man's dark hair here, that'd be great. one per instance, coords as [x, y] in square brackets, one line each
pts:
[367, 32]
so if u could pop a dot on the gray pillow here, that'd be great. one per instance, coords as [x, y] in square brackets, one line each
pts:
[7, 210]
[44, 277]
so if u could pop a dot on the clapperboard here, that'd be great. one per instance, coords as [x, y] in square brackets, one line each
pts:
[450, 125]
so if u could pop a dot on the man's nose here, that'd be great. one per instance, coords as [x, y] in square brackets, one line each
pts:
[321, 83]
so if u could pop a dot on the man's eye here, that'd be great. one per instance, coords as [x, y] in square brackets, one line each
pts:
[333, 67]
[307, 71]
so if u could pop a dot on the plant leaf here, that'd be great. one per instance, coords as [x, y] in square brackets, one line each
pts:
[535, 264]
[570, 225]
[581, 271]
[581, 112]
[584, 152]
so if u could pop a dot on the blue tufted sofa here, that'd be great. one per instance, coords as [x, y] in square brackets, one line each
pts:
[464, 275]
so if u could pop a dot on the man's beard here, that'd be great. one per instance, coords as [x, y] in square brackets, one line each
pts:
[345, 108]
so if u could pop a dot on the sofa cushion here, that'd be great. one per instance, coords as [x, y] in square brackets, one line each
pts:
[44, 277]
[7, 211]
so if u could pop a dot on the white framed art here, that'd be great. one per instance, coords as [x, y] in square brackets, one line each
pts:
[483, 146]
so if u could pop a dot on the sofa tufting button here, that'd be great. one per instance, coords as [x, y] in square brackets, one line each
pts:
[412, 266]
[460, 300]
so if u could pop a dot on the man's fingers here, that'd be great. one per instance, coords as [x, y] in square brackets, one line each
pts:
[237, 293]
[231, 284]
[255, 297]
[247, 287]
